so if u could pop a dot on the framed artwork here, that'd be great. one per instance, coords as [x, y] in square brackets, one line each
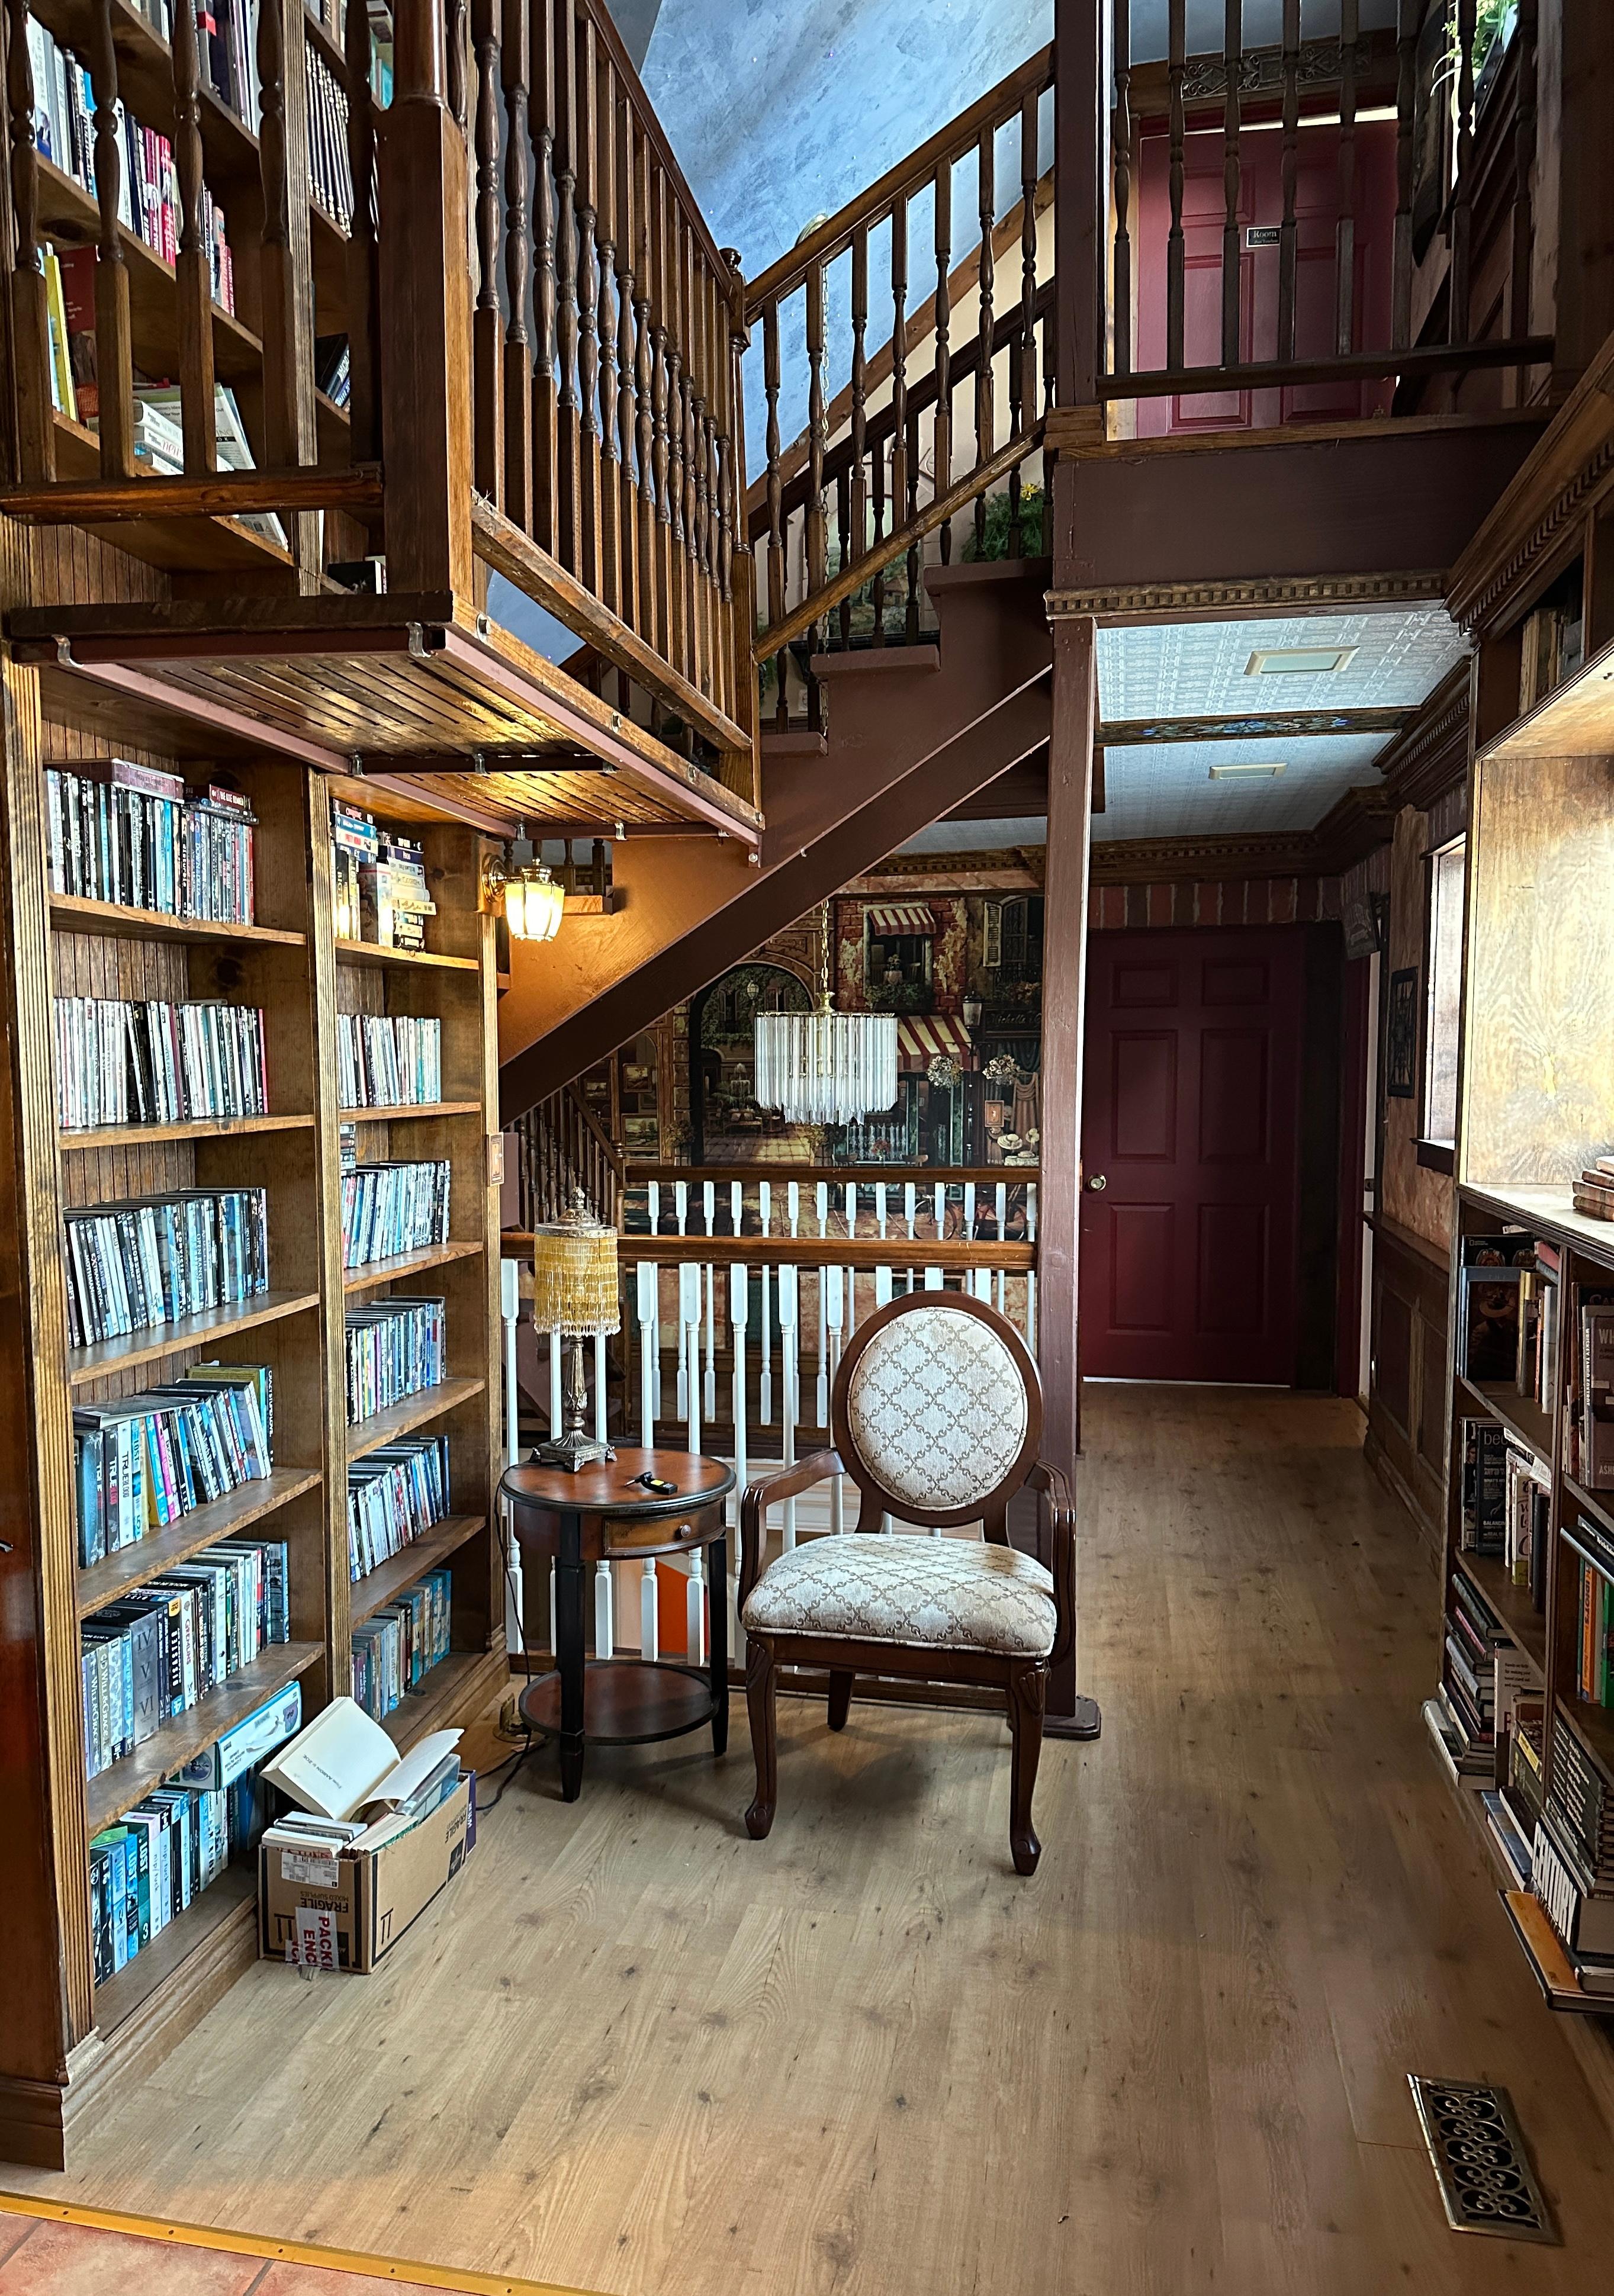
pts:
[1401, 1036]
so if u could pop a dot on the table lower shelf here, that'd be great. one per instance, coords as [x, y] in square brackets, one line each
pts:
[626, 1701]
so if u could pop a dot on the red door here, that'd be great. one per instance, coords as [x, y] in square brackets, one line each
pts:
[1192, 1124]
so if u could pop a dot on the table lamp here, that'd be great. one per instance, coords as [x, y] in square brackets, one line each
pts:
[574, 1293]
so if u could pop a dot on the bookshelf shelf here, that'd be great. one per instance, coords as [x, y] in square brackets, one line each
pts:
[449, 1689]
[1550, 1213]
[407, 1112]
[101, 1583]
[1598, 1504]
[180, 545]
[86, 1366]
[1571, 722]
[71, 912]
[1511, 1604]
[207, 1127]
[230, 1898]
[1548, 1961]
[369, 952]
[414, 1411]
[377, 1272]
[380, 1586]
[1593, 1725]
[1518, 1414]
[138, 1774]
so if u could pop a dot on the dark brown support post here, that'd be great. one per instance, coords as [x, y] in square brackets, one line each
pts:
[610, 513]
[1081, 103]
[1071, 754]
[568, 424]
[515, 68]
[114, 342]
[290, 437]
[542, 407]
[425, 318]
[1289, 230]
[193, 267]
[1401, 260]
[489, 322]
[1461, 224]
[30, 321]
[363, 274]
[1524, 170]
[586, 160]
[1345, 225]
[1120, 288]
[1176, 261]
[1232, 50]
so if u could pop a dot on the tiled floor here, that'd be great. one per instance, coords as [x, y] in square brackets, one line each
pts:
[53, 2257]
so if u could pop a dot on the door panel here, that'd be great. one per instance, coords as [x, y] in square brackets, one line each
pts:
[1193, 1122]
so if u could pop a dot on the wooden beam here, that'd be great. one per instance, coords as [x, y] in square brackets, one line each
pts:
[501, 544]
[211, 493]
[1277, 374]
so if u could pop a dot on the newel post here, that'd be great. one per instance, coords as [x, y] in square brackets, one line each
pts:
[425, 311]
[1081, 195]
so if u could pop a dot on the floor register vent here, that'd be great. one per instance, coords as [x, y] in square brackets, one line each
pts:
[1487, 2183]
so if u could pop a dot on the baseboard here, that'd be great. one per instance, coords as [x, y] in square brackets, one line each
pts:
[33, 2128]
[1396, 1483]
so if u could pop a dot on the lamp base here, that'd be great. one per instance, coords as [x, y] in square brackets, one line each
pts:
[572, 1452]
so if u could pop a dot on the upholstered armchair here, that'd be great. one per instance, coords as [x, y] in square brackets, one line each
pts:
[937, 1419]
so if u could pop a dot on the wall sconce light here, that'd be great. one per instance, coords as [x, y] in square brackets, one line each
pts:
[533, 901]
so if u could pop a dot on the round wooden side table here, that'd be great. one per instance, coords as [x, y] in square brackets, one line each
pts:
[603, 1512]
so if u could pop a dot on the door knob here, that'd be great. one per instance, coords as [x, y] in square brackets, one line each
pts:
[1099, 1180]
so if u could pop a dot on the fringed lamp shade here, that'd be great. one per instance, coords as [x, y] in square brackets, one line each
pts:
[826, 1067]
[574, 1275]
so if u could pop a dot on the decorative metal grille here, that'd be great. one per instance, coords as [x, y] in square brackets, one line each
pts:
[1487, 2184]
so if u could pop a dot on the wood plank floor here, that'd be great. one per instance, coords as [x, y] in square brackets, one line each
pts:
[632, 2051]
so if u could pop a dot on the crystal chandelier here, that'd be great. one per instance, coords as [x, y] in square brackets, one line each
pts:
[826, 1067]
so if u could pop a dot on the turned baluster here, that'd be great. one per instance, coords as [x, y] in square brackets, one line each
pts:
[605, 235]
[843, 531]
[194, 265]
[911, 620]
[627, 506]
[1406, 89]
[456, 26]
[1177, 64]
[652, 623]
[692, 418]
[1463, 189]
[1288, 237]
[878, 595]
[30, 305]
[677, 567]
[542, 450]
[487, 325]
[567, 408]
[900, 474]
[1121, 164]
[519, 412]
[363, 270]
[986, 419]
[817, 546]
[668, 635]
[1345, 225]
[1233, 53]
[941, 434]
[585, 115]
[858, 506]
[1024, 363]
[1524, 169]
[775, 503]
[740, 577]
[114, 342]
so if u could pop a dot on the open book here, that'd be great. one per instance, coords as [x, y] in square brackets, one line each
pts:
[344, 1763]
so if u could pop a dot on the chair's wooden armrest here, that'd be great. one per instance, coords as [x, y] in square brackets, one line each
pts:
[1054, 1491]
[789, 1483]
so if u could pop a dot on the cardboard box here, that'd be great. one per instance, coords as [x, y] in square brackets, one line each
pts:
[348, 1912]
[233, 1755]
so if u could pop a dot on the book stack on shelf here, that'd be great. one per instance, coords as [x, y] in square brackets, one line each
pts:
[135, 836]
[382, 891]
[329, 167]
[396, 1494]
[395, 1650]
[149, 1459]
[395, 1348]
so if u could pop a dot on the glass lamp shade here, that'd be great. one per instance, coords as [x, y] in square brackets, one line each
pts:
[534, 904]
[826, 1067]
[574, 1275]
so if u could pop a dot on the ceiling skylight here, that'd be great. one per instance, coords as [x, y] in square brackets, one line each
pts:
[1241, 773]
[1299, 661]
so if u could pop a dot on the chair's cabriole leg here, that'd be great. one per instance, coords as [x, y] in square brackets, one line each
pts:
[840, 1699]
[760, 1700]
[1028, 1686]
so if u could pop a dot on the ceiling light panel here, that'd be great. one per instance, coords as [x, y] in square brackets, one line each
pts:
[1299, 661]
[1231, 773]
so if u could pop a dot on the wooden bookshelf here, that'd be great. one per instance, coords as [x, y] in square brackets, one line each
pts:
[288, 964]
[1536, 1064]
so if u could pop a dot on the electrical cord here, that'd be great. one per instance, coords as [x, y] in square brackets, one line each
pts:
[511, 1762]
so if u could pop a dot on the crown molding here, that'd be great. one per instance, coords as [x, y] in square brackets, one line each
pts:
[1307, 593]
[1431, 753]
[1254, 725]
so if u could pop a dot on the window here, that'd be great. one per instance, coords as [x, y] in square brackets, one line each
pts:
[1443, 995]
[1021, 956]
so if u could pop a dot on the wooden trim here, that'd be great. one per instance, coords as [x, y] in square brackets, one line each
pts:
[1430, 755]
[1177, 860]
[1274, 374]
[1301, 594]
[1436, 1155]
[953, 1253]
[1070, 434]
[1407, 1240]
[924, 1177]
[211, 493]
[1269, 725]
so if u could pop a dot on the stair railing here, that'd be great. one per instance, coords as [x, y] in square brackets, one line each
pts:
[562, 1146]
[879, 437]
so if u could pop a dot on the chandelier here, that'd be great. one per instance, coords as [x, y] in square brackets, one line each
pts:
[826, 1067]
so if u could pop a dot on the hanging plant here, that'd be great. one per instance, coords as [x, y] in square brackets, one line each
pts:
[944, 1072]
[1001, 1070]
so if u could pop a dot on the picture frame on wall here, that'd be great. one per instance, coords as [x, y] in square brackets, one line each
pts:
[1401, 1036]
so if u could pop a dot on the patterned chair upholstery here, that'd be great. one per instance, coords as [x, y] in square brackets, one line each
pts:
[936, 1417]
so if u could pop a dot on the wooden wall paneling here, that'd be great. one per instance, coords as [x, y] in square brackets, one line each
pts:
[1409, 1194]
[1317, 1229]
[1409, 1386]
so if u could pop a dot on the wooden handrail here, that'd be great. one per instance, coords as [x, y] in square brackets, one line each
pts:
[873, 206]
[923, 1175]
[861, 1252]
[603, 1140]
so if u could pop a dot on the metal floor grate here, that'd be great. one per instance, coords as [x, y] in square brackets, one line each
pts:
[1487, 2183]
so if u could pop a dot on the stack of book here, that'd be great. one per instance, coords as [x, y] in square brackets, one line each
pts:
[1489, 1277]
[145, 1460]
[1573, 1861]
[395, 1494]
[379, 879]
[397, 1649]
[1588, 1424]
[1536, 1372]
[147, 1869]
[147, 200]
[1594, 1192]
[1483, 1449]
[390, 1209]
[120, 1062]
[1474, 1634]
[394, 1348]
[161, 1649]
[133, 835]
[330, 169]
[159, 443]
[1527, 1540]
[229, 36]
[388, 1061]
[132, 1266]
[1593, 1615]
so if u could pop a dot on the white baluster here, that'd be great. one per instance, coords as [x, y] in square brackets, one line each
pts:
[694, 1644]
[909, 1206]
[851, 1272]
[689, 1318]
[510, 1310]
[829, 1284]
[764, 1401]
[652, 1205]
[823, 1397]
[736, 1204]
[882, 1287]
[792, 1202]
[790, 1380]
[969, 1211]
[881, 1206]
[555, 1419]
[1002, 1221]
[941, 1209]
[681, 1205]
[600, 1398]
[822, 1195]
[980, 1283]
[654, 1195]
[709, 1385]
[605, 1638]
[649, 1612]
[680, 1214]
[645, 1275]
[709, 1202]
[738, 1303]
[933, 1282]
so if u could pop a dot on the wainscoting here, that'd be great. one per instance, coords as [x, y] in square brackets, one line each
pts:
[1407, 1392]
